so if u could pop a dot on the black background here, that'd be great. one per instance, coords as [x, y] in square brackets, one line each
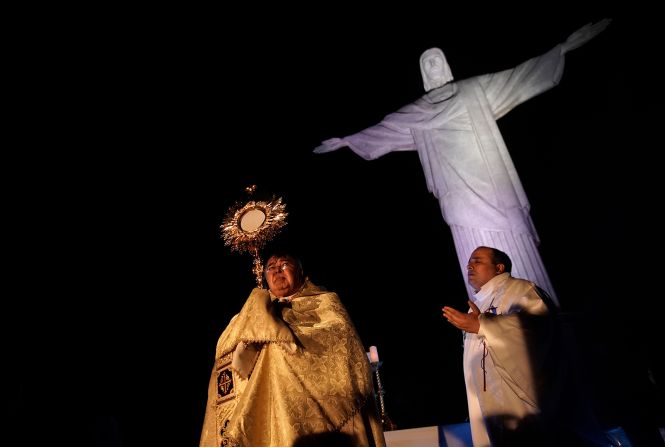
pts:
[135, 131]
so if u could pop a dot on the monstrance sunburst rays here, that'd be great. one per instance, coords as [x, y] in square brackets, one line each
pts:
[248, 226]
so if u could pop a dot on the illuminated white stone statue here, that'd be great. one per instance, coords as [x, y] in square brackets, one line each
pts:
[465, 160]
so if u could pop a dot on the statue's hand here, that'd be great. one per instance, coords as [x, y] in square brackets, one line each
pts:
[329, 145]
[584, 34]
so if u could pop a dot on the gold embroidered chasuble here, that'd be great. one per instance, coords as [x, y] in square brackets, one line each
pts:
[287, 370]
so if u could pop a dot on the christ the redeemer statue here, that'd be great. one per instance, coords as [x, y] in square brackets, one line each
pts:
[466, 163]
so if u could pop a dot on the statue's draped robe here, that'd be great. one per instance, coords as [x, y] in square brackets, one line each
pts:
[286, 370]
[465, 160]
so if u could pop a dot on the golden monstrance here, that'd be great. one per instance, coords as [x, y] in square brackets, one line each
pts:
[249, 225]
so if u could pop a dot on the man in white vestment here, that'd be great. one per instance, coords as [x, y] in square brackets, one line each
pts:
[514, 361]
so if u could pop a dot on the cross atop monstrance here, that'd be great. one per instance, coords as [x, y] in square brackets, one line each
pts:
[249, 225]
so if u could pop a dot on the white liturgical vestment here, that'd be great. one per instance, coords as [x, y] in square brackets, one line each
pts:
[505, 360]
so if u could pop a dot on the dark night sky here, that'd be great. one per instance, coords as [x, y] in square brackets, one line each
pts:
[162, 122]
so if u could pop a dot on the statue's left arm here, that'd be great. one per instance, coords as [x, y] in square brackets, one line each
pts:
[509, 88]
[584, 34]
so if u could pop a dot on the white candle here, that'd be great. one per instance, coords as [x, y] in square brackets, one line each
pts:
[373, 355]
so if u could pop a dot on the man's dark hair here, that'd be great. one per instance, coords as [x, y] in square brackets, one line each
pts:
[499, 257]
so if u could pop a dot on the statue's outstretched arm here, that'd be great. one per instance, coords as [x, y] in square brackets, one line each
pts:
[583, 35]
[330, 145]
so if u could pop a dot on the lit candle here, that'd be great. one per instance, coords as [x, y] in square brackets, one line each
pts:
[373, 355]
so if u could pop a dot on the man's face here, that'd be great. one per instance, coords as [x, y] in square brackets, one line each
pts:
[480, 268]
[283, 276]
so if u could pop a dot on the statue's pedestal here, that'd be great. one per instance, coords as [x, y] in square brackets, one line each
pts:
[453, 435]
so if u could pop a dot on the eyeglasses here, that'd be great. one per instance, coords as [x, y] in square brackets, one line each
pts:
[273, 268]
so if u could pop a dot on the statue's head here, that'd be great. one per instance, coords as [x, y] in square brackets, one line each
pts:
[435, 69]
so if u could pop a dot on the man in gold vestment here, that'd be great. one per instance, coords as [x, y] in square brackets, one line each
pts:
[290, 370]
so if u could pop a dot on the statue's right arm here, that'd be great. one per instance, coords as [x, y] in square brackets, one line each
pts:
[329, 145]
